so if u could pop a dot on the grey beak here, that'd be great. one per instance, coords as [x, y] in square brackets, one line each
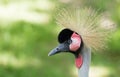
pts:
[60, 48]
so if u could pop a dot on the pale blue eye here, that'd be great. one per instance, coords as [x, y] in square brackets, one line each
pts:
[70, 41]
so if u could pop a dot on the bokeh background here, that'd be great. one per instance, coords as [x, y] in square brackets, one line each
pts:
[28, 32]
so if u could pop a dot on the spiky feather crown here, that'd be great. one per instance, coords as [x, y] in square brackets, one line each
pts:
[86, 23]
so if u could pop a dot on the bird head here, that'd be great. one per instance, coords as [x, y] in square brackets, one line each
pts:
[69, 41]
[83, 33]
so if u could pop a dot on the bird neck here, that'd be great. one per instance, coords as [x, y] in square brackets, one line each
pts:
[84, 70]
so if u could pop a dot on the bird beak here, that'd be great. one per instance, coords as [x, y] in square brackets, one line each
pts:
[60, 48]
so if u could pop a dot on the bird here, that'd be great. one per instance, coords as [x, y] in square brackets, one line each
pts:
[81, 35]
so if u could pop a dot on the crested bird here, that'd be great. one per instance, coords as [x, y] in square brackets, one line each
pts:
[81, 34]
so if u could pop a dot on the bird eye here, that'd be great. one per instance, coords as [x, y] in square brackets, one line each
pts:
[70, 41]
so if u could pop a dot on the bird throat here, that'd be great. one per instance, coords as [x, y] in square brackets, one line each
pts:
[83, 71]
[79, 61]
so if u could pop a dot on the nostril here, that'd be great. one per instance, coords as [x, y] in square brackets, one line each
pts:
[57, 49]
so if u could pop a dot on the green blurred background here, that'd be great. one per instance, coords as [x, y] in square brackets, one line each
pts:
[28, 32]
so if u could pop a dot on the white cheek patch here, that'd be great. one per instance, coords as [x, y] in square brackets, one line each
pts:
[75, 40]
[75, 45]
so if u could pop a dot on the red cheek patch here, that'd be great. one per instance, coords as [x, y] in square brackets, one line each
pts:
[76, 41]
